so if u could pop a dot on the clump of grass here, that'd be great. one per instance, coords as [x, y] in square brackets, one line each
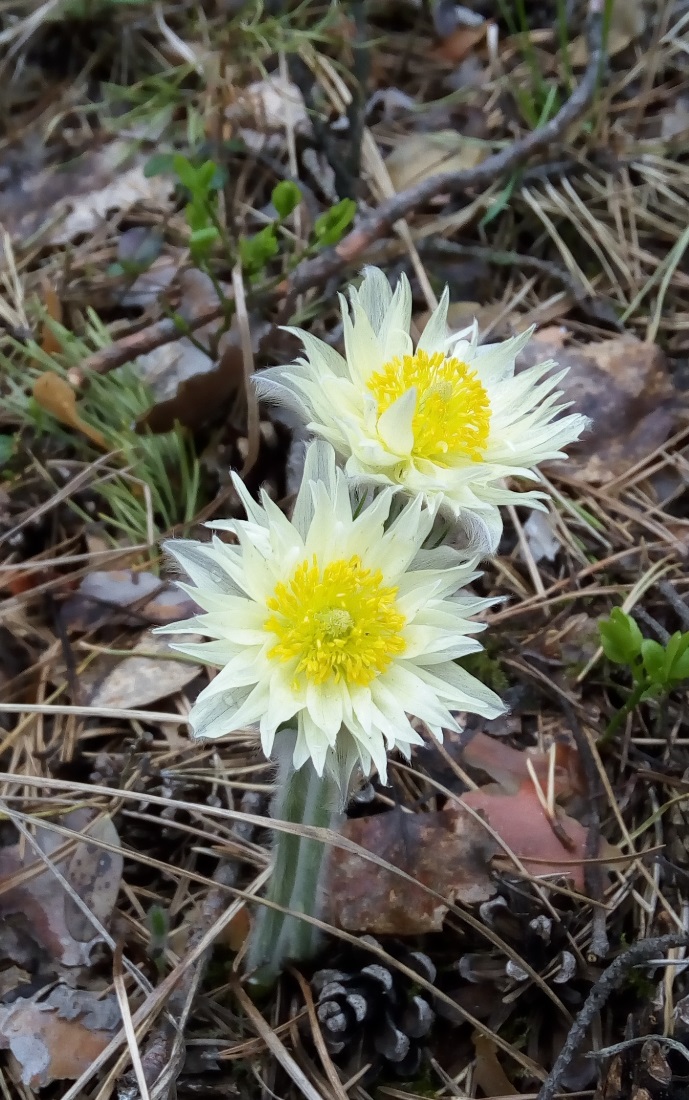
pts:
[159, 484]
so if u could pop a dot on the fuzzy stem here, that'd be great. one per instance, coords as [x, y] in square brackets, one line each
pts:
[302, 798]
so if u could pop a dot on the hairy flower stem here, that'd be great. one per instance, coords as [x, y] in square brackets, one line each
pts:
[302, 798]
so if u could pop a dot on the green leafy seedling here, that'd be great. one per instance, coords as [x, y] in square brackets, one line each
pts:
[331, 226]
[201, 182]
[655, 669]
[257, 251]
[285, 198]
[620, 637]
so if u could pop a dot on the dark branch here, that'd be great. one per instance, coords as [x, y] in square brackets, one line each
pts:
[608, 982]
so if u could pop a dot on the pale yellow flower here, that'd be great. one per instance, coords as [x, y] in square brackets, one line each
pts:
[331, 624]
[448, 419]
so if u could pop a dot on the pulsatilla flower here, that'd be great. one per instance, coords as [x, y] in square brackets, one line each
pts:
[448, 419]
[337, 624]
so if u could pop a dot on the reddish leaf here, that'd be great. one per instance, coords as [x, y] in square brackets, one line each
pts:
[508, 766]
[522, 823]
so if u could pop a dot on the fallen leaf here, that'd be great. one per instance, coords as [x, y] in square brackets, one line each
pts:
[128, 188]
[271, 104]
[58, 1037]
[521, 822]
[364, 897]
[459, 43]
[205, 389]
[56, 396]
[192, 387]
[540, 536]
[50, 345]
[674, 120]
[419, 156]
[124, 596]
[488, 1073]
[627, 21]
[149, 286]
[508, 766]
[137, 681]
[624, 386]
[49, 915]
[95, 873]
[453, 853]
[67, 200]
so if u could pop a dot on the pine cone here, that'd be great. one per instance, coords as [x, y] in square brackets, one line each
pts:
[539, 939]
[374, 1009]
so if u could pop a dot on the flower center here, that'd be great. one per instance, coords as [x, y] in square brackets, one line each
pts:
[338, 623]
[452, 416]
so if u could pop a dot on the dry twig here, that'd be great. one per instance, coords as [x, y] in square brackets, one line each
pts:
[608, 982]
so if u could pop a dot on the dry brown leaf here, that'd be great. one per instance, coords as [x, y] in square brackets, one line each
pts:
[419, 156]
[59, 1037]
[628, 18]
[57, 397]
[95, 874]
[137, 681]
[50, 345]
[451, 852]
[460, 43]
[623, 385]
[488, 1073]
[204, 392]
[364, 897]
[270, 104]
[50, 918]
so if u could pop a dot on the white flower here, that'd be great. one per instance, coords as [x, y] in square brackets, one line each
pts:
[449, 420]
[332, 624]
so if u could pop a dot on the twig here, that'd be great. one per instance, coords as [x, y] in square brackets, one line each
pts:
[609, 981]
[642, 616]
[134, 344]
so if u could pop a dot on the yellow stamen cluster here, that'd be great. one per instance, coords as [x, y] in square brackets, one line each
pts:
[340, 622]
[452, 416]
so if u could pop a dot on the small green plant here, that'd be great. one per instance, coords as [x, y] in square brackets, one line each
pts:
[655, 669]
[256, 250]
[201, 183]
[158, 923]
